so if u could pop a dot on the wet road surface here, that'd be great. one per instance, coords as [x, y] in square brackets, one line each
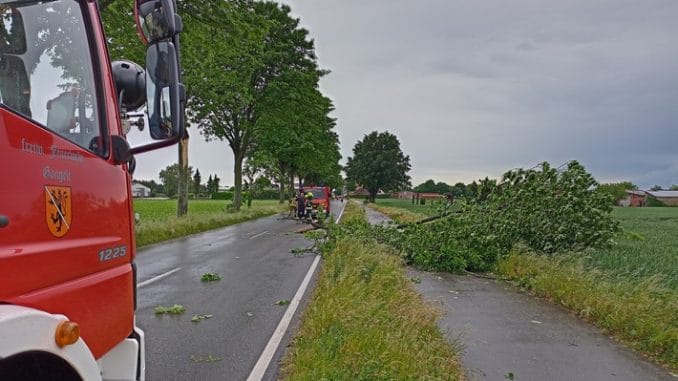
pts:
[257, 270]
[504, 334]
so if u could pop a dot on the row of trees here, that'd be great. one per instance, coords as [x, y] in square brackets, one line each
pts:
[169, 182]
[252, 82]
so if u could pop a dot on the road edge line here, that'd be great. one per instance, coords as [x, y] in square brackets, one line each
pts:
[264, 361]
[157, 278]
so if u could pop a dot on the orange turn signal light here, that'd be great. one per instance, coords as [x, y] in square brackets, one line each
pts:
[67, 333]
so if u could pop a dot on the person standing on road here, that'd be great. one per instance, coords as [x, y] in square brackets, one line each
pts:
[301, 204]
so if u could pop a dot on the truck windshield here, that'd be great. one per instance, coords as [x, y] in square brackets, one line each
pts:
[318, 193]
[46, 68]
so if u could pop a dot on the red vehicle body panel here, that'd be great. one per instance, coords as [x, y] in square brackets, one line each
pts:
[321, 197]
[66, 275]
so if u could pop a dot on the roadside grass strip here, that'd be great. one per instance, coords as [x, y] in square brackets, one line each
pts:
[366, 322]
[160, 223]
[642, 314]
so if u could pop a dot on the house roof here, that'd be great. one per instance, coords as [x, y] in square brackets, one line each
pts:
[636, 192]
[663, 194]
[655, 194]
[138, 185]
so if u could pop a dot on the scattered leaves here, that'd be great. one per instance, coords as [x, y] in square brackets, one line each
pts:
[282, 302]
[210, 277]
[198, 317]
[415, 279]
[176, 309]
[207, 358]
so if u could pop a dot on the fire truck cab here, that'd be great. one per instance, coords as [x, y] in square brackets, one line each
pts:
[67, 250]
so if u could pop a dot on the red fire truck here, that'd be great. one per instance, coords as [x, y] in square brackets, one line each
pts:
[321, 198]
[67, 272]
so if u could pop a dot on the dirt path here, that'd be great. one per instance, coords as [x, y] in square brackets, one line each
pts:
[508, 335]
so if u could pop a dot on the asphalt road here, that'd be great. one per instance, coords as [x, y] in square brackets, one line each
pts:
[257, 270]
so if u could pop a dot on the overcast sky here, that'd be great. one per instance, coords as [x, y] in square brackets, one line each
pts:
[473, 88]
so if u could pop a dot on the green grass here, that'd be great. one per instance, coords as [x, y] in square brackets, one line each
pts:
[649, 249]
[160, 223]
[630, 289]
[365, 321]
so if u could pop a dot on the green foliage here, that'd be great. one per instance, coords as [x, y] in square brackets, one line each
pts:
[176, 309]
[170, 179]
[228, 195]
[282, 302]
[652, 201]
[378, 163]
[616, 191]
[430, 186]
[545, 209]
[210, 277]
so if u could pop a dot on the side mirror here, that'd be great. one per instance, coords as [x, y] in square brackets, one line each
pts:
[163, 91]
[156, 19]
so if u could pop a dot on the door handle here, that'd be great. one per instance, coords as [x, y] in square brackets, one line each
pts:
[4, 221]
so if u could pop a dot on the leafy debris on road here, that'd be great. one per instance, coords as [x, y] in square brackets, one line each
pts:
[415, 279]
[210, 277]
[207, 358]
[282, 302]
[198, 317]
[509, 376]
[176, 309]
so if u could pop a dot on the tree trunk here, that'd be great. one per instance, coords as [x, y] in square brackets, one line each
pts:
[373, 195]
[237, 174]
[182, 197]
[282, 195]
[291, 184]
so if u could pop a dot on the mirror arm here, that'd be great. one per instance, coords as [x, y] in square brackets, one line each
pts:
[156, 145]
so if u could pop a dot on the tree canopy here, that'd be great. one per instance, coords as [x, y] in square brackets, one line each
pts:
[252, 82]
[378, 163]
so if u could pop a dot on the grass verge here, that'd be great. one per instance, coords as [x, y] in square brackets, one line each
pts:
[641, 314]
[365, 321]
[159, 222]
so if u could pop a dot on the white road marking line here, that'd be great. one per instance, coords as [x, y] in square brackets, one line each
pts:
[342, 212]
[259, 235]
[267, 355]
[157, 278]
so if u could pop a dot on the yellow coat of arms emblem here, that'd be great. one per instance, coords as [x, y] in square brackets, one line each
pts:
[58, 210]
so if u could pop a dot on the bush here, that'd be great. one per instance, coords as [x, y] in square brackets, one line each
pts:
[228, 195]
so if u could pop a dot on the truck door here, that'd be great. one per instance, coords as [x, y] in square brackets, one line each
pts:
[67, 244]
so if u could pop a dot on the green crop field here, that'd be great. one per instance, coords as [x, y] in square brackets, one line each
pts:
[649, 248]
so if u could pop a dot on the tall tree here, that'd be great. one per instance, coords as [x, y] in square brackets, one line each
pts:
[379, 163]
[258, 44]
[196, 182]
[170, 179]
